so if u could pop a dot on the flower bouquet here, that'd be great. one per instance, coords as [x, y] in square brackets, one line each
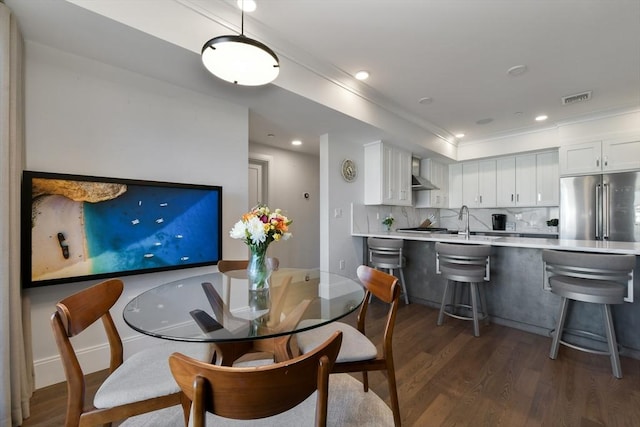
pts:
[258, 228]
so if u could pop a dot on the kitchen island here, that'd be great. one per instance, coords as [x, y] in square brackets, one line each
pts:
[516, 294]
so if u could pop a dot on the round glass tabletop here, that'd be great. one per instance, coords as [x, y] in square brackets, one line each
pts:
[218, 307]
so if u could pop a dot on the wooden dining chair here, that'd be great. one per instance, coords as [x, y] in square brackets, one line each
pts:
[136, 385]
[358, 353]
[251, 393]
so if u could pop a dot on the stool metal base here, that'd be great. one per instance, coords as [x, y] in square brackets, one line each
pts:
[477, 300]
[610, 338]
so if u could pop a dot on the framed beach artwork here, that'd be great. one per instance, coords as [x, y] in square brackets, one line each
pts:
[77, 228]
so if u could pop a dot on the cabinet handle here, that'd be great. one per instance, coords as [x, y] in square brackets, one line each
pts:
[512, 197]
[606, 161]
[597, 162]
[480, 199]
[517, 197]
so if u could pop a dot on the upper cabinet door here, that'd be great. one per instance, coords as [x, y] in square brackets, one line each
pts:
[581, 158]
[470, 184]
[620, 155]
[479, 184]
[455, 186]
[600, 156]
[547, 179]
[526, 180]
[387, 175]
[487, 183]
[506, 181]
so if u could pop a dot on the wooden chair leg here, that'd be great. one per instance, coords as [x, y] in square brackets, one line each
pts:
[365, 381]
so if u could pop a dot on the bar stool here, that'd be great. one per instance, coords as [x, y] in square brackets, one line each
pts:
[386, 254]
[468, 265]
[593, 278]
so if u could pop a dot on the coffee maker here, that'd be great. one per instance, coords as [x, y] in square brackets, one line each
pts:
[499, 221]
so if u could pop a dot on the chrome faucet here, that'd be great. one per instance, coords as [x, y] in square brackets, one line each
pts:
[466, 227]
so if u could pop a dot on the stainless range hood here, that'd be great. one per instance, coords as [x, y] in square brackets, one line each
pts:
[419, 182]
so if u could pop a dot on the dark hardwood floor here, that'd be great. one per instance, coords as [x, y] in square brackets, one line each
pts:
[447, 377]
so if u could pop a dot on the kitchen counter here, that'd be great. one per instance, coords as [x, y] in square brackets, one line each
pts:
[516, 294]
[632, 248]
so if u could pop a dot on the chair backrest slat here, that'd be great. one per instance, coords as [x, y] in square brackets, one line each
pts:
[83, 308]
[255, 392]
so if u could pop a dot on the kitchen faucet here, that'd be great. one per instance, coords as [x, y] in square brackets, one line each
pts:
[460, 214]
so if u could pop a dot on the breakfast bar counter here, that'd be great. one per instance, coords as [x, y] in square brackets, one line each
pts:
[601, 246]
[516, 295]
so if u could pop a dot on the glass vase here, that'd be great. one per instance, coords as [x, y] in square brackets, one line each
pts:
[258, 272]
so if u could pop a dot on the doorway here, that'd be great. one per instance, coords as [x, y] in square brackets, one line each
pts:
[258, 182]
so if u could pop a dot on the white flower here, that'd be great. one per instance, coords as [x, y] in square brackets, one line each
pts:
[239, 231]
[255, 227]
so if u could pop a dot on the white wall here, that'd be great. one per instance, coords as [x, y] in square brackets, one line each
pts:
[85, 117]
[290, 175]
[336, 197]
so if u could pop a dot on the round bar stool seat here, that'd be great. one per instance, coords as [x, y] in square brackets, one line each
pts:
[590, 278]
[386, 254]
[467, 265]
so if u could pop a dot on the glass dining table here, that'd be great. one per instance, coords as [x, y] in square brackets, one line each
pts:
[218, 308]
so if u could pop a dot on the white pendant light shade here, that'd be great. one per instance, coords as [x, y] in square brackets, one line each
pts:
[240, 60]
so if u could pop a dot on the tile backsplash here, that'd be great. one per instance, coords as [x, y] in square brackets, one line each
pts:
[366, 219]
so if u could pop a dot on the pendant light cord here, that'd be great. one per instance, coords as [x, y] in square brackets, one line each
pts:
[242, 18]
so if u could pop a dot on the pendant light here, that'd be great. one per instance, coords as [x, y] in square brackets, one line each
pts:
[240, 60]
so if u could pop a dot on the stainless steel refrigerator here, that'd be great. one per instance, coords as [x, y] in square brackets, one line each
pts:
[600, 207]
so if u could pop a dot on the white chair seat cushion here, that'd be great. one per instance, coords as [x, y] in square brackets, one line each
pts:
[349, 406]
[355, 346]
[146, 374]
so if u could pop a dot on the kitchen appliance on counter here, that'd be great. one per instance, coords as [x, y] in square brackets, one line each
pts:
[600, 207]
[499, 221]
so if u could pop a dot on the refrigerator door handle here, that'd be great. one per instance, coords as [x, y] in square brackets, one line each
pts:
[598, 211]
[605, 212]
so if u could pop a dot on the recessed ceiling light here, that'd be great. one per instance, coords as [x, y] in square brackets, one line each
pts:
[484, 121]
[362, 75]
[541, 118]
[517, 70]
[246, 5]
[426, 100]
[296, 142]
[459, 135]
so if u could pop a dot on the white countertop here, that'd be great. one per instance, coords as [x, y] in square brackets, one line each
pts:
[601, 246]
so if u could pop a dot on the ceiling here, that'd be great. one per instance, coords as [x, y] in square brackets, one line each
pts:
[456, 53]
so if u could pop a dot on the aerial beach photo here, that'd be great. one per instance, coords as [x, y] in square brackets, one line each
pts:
[83, 228]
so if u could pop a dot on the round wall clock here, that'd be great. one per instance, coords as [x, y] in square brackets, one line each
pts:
[349, 170]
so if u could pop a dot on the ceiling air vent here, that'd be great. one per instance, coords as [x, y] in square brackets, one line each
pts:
[578, 97]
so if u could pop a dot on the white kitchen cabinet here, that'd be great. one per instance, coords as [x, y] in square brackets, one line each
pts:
[600, 156]
[528, 180]
[547, 179]
[506, 181]
[479, 184]
[387, 175]
[438, 174]
[455, 185]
